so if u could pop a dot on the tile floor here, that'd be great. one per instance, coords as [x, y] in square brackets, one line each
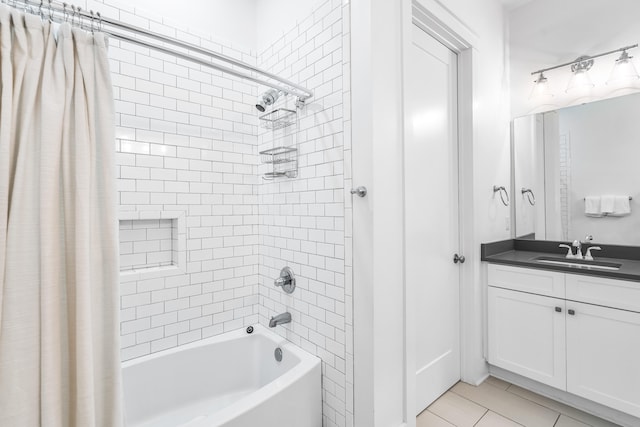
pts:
[496, 403]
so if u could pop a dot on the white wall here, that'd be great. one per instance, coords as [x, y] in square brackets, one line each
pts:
[232, 21]
[544, 33]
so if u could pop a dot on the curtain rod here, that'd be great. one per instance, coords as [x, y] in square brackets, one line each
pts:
[56, 11]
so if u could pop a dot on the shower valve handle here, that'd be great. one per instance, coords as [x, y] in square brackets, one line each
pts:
[286, 280]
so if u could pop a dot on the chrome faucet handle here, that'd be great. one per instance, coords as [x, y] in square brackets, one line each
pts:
[587, 239]
[287, 280]
[588, 256]
[569, 251]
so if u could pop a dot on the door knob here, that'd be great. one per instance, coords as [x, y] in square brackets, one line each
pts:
[360, 191]
[458, 259]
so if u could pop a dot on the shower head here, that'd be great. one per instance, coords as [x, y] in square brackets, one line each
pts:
[268, 98]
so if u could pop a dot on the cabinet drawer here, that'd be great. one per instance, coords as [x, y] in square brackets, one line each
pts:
[541, 282]
[614, 293]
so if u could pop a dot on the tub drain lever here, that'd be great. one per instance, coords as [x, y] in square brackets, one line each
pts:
[286, 280]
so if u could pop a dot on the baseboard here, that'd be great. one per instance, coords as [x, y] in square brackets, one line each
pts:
[593, 408]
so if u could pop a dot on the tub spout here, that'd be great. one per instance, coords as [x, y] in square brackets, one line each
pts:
[280, 319]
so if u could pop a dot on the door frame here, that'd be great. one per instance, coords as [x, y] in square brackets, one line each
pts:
[438, 22]
[381, 378]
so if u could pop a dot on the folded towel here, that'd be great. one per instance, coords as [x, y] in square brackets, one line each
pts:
[621, 206]
[607, 204]
[592, 206]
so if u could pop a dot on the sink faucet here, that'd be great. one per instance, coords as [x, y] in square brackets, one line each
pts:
[280, 319]
[578, 245]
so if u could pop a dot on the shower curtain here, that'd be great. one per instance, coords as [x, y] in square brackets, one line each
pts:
[59, 350]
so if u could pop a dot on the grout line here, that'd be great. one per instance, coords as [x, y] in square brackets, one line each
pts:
[443, 419]
[483, 415]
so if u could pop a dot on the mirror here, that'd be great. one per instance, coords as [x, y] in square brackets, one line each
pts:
[564, 157]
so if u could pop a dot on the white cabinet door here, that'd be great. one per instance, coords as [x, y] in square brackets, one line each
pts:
[603, 355]
[527, 335]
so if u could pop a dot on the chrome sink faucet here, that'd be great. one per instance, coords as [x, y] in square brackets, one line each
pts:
[578, 252]
[577, 244]
[280, 319]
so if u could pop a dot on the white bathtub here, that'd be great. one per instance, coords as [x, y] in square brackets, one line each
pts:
[231, 380]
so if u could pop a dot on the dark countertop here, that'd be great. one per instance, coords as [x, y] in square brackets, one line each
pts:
[521, 254]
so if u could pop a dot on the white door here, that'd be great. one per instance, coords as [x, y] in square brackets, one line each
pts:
[431, 215]
[526, 335]
[603, 350]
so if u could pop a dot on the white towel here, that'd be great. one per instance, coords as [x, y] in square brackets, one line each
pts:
[607, 204]
[592, 206]
[621, 206]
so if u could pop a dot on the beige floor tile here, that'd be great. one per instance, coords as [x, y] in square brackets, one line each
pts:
[457, 410]
[511, 406]
[574, 413]
[491, 419]
[497, 383]
[429, 419]
[565, 421]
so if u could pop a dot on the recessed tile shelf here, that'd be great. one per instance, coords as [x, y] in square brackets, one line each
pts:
[148, 243]
[152, 243]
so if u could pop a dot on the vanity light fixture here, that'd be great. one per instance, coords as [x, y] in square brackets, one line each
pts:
[624, 73]
[580, 82]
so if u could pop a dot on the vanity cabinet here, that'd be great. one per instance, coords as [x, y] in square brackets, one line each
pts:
[580, 334]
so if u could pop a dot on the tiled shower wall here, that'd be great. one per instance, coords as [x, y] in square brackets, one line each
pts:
[305, 223]
[188, 142]
[186, 146]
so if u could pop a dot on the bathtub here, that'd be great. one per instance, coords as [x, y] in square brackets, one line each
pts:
[231, 380]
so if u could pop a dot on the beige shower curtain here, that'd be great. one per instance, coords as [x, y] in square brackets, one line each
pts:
[59, 363]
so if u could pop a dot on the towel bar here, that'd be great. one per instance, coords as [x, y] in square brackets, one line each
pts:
[630, 198]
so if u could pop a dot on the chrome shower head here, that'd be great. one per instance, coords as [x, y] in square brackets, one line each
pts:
[268, 98]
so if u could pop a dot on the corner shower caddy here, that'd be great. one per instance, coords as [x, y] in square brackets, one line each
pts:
[284, 160]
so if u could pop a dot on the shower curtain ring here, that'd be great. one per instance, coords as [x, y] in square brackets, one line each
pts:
[99, 21]
[50, 12]
[92, 19]
[65, 16]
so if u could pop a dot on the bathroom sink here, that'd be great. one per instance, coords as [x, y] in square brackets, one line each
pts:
[579, 263]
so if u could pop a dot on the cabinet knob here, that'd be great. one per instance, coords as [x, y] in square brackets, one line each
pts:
[572, 312]
[558, 309]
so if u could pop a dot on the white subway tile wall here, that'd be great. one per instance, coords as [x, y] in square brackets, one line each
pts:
[188, 141]
[305, 222]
